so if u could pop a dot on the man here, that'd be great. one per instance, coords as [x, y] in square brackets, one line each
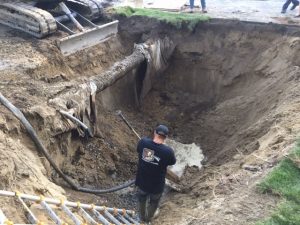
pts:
[154, 158]
[203, 5]
[287, 3]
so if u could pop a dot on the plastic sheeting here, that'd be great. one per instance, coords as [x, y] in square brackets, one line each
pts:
[157, 53]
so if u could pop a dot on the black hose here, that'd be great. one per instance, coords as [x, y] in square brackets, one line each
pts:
[18, 114]
[113, 189]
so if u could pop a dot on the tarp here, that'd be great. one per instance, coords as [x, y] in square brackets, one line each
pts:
[158, 54]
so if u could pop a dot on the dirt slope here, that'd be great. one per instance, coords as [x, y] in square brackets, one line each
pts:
[234, 91]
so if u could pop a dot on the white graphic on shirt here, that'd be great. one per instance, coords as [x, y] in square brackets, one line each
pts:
[148, 156]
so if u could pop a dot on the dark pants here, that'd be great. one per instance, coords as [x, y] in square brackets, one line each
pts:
[203, 4]
[288, 2]
[148, 203]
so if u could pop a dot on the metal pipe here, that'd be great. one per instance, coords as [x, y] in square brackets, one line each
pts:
[85, 19]
[119, 113]
[77, 121]
[65, 28]
[64, 18]
[58, 202]
[66, 10]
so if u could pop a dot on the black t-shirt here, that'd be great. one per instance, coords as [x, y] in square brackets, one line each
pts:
[152, 166]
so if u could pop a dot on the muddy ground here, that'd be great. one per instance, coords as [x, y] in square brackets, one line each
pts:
[231, 87]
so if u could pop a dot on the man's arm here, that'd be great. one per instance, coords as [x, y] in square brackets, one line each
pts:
[138, 148]
[170, 174]
[171, 158]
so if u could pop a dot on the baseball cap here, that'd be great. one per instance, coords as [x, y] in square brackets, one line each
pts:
[162, 130]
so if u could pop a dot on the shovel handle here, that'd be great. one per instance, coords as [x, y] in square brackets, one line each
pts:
[119, 113]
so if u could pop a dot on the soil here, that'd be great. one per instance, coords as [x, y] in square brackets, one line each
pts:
[233, 92]
[231, 88]
[32, 72]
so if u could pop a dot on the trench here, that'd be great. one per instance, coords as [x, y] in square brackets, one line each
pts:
[227, 85]
[222, 90]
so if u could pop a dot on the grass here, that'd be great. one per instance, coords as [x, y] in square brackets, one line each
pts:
[288, 213]
[176, 19]
[284, 180]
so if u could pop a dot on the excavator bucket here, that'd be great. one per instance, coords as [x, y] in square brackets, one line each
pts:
[87, 38]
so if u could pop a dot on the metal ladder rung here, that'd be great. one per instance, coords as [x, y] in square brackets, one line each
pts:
[112, 218]
[100, 217]
[123, 219]
[131, 219]
[51, 213]
[87, 216]
[70, 214]
[31, 217]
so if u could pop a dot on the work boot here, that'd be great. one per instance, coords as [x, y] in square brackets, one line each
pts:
[283, 11]
[294, 6]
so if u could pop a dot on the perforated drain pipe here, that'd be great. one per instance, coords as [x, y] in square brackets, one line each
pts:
[19, 115]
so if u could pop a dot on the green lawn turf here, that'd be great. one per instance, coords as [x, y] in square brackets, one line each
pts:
[284, 180]
[176, 19]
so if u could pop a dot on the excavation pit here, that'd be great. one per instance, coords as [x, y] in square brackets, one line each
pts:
[224, 88]
[230, 87]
